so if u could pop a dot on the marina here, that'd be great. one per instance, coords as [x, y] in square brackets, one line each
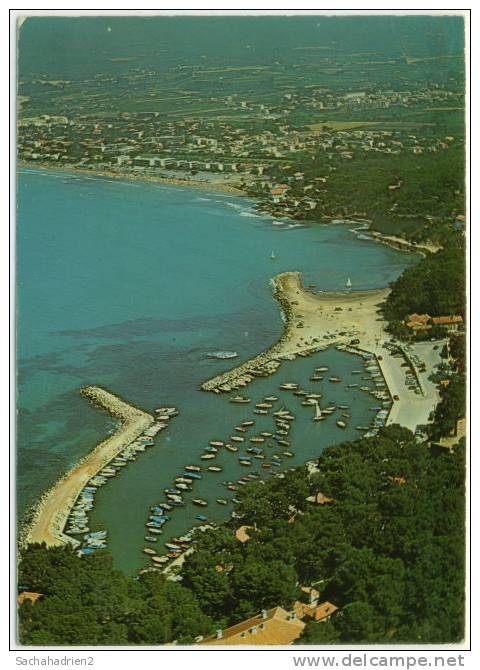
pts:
[143, 367]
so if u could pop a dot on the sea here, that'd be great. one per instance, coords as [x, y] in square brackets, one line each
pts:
[131, 286]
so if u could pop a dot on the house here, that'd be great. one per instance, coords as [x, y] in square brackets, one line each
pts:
[277, 193]
[452, 323]
[275, 626]
[31, 596]
[320, 499]
[418, 322]
[242, 535]
[314, 612]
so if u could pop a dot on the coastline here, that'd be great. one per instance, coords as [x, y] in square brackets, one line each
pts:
[397, 243]
[206, 185]
[334, 318]
[308, 318]
[52, 510]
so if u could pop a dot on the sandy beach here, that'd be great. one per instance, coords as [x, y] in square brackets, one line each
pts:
[205, 184]
[52, 511]
[314, 321]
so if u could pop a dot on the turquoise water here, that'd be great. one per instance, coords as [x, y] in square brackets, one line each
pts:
[129, 285]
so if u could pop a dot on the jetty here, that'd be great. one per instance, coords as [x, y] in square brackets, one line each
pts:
[308, 319]
[51, 513]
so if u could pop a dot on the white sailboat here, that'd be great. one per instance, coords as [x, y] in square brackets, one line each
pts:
[348, 283]
[318, 412]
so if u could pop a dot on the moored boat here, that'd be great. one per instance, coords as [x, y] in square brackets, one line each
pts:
[200, 501]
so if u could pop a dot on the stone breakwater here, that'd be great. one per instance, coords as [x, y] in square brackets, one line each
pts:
[48, 518]
[288, 346]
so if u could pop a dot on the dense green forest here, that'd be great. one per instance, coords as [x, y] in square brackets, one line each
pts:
[430, 193]
[388, 551]
[435, 286]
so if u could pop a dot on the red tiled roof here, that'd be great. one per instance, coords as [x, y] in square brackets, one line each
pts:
[274, 627]
[33, 596]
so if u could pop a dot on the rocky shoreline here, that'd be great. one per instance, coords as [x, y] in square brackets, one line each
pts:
[46, 520]
[269, 361]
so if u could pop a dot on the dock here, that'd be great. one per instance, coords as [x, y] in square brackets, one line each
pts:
[288, 346]
[49, 517]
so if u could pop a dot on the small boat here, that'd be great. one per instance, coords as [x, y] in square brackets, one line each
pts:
[201, 517]
[257, 440]
[192, 475]
[287, 453]
[245, 461]
[193, 468]
[183, 487]
[206, 457]
[174, 497]
[222, 501]
[348, 283]
[231, 447]
[334, 379]
[156, 531]
[260, 411]
[288, 386]
[232, 487]
[248, 423]
[200, 501]
[266, 434]
[160, 559]
[150, 552]
[173, 547]
[272, 256]
[324, 369]
[263, 405]
[222, 354]
[341, 424]
[343, 407]
[239, 399]
[149, 538]
[240, 429]
[266, 465]
[211, 450]
[271, 398]
[237, 438]
[214, 468]
[216, 443]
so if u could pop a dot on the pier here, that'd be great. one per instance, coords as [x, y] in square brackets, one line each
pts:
[51, 514]
[307, 317]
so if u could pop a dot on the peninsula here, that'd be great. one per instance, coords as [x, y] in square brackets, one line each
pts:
[51, 513]
[348, 319]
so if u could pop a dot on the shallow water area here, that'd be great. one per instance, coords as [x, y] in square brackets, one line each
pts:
[129, 285]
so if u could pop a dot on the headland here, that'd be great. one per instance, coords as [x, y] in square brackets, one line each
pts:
[50, 515]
